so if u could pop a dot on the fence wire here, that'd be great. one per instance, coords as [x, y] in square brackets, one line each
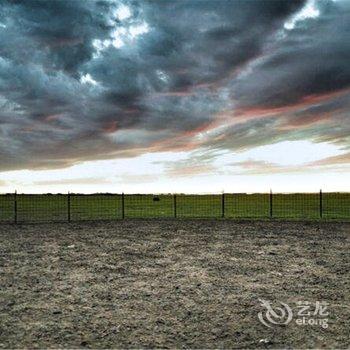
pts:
[198, 206]
[20, 208]
[242, 205]
[298, 205]
[94, 207]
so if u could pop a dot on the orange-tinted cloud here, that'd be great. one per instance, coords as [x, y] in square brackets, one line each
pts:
[335, 160]
[110, 127]
[252, 113]
[52, 117]
[305, 120]
[258, 167]
[190, 170]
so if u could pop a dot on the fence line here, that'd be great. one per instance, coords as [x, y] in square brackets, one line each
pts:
[271, 205]
[174, 201]
[17, 208]
[123, 206]
[68, 205]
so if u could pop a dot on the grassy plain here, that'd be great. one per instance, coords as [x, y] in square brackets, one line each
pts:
[33, 208]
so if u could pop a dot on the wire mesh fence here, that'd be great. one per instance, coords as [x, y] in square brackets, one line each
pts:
[94, 207]
[301, 205]
[198, 206]
[148, 206]
[242, 205]
[20, 208]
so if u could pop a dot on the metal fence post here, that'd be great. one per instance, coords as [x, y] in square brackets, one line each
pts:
[321, 204]
[15, 206]
[271, 204]
[223, 205]
[175, 213]
[68, 206]
[123, 208]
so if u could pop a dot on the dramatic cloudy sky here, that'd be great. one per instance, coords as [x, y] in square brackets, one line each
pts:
[164, 96]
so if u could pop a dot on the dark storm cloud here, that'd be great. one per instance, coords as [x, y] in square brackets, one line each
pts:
[299, 88]
[58, 33]
[312, 59]
[81, 81]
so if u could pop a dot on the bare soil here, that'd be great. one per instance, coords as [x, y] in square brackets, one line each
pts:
[171, 283]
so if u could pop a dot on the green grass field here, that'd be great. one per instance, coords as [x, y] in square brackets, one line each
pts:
[35, 208]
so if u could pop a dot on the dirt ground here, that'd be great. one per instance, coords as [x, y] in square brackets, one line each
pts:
[171, 284]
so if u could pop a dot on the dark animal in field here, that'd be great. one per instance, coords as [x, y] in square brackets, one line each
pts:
[156, 199]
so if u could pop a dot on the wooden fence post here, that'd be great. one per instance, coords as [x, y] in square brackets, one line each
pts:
[271, 204]
[68, 206]
[174, 200]
[15, 206]
[223, 205]
[123, 207]
[321, 204]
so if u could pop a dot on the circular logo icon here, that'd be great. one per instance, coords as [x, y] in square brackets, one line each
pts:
[280, 315]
